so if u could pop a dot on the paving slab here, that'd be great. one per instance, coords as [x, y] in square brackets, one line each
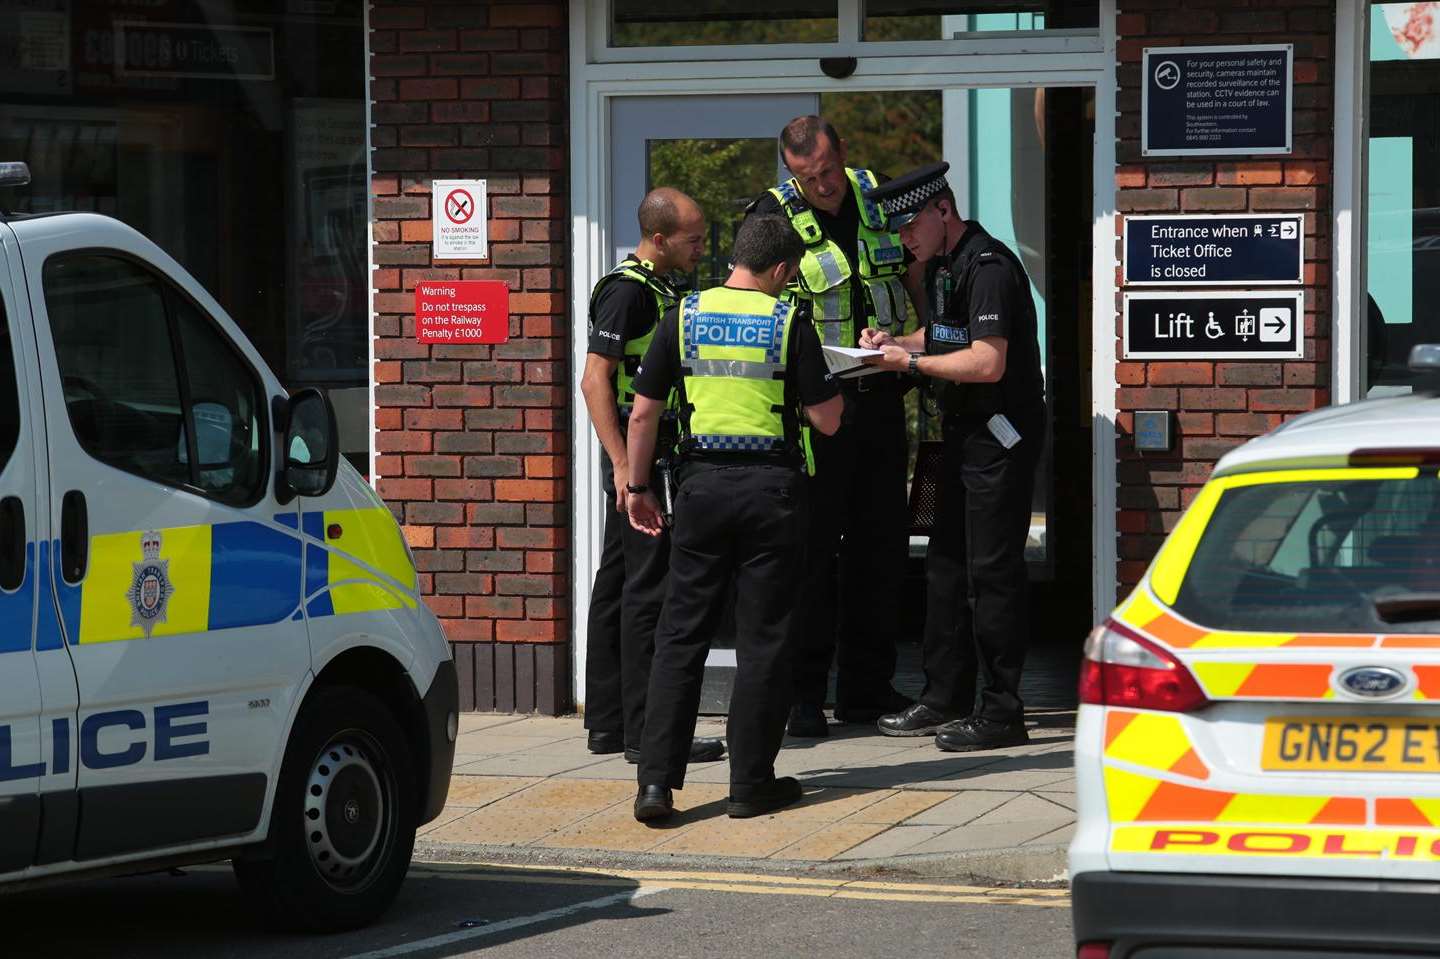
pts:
[870, 802]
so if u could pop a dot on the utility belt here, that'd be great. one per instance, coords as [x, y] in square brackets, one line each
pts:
[879, 384]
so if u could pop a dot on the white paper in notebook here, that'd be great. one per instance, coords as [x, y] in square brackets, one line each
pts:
[849, 362]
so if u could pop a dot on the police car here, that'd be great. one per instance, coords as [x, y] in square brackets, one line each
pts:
[211, 642]
[1258, 745]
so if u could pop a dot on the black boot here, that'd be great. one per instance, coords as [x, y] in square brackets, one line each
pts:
[976, 732]
[602, 742]
[653, 803]
[702, 750]
[807, 721]
[918, 720]
[776, 794]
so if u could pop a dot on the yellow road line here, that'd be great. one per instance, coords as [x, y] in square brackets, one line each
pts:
[751, 883]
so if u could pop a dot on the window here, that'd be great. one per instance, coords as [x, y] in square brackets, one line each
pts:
[1402, 193]
[183, 420]
[722, 22]
[9, 395]
[1316, 557]
[943, 19]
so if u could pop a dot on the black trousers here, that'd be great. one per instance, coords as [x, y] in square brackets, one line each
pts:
[977, 614]
[622, 666]
[746, 522]
[857, 546]
[603, 710]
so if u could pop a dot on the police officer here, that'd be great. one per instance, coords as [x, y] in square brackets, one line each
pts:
[853, 273]
[630, 583]
[982, 342]
[745, 368]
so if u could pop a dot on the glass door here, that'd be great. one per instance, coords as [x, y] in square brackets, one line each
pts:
[722, 151]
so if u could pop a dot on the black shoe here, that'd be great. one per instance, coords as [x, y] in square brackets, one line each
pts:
[776, 794]
[975, 732]
[653, 803]
[807, 721]
[918, 720]
[870, 709]
[602, 742]
[702, 750]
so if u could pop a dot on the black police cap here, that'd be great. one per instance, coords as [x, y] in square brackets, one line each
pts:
[902, 198]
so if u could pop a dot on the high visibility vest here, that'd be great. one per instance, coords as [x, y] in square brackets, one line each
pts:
[825, 275]
[733, 348]
[642, 272]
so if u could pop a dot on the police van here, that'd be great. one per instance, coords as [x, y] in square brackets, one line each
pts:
[211, 641]
[1258, 743]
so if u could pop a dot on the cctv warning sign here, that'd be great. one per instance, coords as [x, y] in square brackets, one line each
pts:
[462, 311]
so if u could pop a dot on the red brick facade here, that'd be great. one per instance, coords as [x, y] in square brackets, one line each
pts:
[1220, 404]
[473, 441]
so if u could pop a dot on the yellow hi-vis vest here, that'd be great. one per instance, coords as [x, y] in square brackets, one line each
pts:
[733, 347]
[825, 275]
[642, 272]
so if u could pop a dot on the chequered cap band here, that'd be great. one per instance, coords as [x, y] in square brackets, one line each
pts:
[913, 199]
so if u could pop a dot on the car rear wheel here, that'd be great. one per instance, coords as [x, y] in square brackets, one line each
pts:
[343, 824]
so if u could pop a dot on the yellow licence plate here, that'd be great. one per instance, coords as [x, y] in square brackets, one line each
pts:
[1351, 744]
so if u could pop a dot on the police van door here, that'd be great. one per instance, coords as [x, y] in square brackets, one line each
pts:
[650, 141]
[181, 571]
[36, 769]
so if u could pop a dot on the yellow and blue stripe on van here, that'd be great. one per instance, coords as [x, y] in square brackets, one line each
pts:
[235, 575]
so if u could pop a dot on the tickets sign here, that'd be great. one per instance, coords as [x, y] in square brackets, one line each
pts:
[462, 311]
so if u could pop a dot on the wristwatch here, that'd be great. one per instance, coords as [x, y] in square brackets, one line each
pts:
[632, 488]
[914, 364]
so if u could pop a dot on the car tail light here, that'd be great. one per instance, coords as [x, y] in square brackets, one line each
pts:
[1093, 950]
[1122, 668]
[1411, 456]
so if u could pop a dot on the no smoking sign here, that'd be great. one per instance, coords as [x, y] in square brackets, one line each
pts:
[458, 220]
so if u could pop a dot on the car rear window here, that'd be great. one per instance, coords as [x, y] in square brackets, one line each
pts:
[1318, 557]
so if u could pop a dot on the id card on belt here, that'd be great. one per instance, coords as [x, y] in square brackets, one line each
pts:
[1003, 432]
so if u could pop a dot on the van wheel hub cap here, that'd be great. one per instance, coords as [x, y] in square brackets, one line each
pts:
[345, 812]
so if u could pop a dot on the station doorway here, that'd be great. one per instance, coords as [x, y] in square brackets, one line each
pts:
[1021, 163]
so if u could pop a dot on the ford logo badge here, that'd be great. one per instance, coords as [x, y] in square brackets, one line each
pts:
[1372, 681]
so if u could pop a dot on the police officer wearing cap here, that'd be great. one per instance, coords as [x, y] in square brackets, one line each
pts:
[854, 274]
[982, 344]
[625, 307]
[748, 370]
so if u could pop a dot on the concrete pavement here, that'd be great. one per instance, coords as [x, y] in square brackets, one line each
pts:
[526, 787]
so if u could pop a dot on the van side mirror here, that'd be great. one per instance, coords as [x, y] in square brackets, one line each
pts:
[312, 447]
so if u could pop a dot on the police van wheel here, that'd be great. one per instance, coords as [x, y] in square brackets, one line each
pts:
[343, 825]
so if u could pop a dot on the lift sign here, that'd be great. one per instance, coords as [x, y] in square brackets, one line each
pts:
[173, 731]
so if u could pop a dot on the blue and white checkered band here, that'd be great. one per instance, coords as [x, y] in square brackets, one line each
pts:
[914, 198]
[720, 442]
[866, 179]
[788, 193]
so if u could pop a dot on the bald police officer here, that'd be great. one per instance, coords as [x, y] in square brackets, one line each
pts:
[853, 274]
[625, 307]
[982, 343]
[747, 371]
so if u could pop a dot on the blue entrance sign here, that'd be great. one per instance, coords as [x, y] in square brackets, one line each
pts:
[1215, 324]
[1217, 101]
[1214, 250]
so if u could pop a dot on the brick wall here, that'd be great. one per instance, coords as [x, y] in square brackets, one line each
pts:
[473, 441]
[1220, 404]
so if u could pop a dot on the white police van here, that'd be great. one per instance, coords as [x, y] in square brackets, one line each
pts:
[1258, 745]
[211, 642]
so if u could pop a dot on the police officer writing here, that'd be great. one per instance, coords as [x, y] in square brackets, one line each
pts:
[982, 343]
[747, 370]
[853, 274]
[625, 307]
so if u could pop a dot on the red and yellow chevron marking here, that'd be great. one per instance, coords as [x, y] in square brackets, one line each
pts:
[1143, 612]
[1311, 842]
[1153, 740]
[1407, 812]
[1134, 797]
